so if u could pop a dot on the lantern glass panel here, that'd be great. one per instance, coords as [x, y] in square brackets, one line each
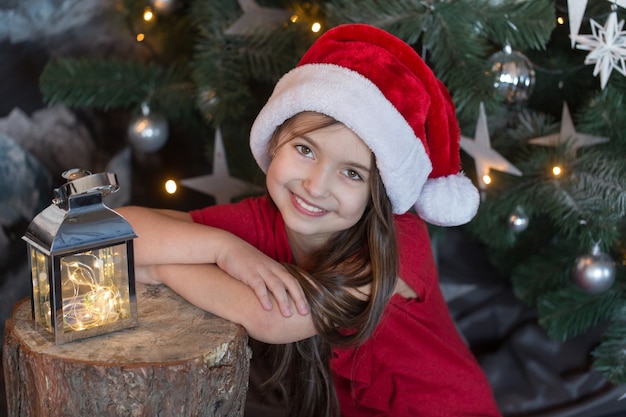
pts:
[40, 272]
[95, 288]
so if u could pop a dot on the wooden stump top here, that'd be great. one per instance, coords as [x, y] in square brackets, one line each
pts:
[170, 330]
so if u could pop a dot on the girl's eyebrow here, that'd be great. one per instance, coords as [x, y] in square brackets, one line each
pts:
[354, 164]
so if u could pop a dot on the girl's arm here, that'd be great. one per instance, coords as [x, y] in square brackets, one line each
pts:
[168, 236]
[171, 237]
[213, 290]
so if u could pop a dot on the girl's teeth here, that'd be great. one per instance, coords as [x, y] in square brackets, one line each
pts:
[307, 206]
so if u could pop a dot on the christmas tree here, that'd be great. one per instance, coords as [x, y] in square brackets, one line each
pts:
[539, 88]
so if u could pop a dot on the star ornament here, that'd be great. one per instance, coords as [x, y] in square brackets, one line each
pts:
[576, 11]
[255, 17]
[220, 184]
[568, 134]
[607, 46]
[485, 157]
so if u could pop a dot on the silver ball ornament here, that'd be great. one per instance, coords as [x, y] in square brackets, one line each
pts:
[513, 75]
[594, 272]
[518, 220]
[148, 133]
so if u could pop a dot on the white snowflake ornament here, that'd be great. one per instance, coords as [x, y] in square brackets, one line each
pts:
[607, 46]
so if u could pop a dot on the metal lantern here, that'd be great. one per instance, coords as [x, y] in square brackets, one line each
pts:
[81, 260]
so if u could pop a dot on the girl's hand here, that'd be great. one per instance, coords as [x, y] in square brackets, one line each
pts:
[264, 275]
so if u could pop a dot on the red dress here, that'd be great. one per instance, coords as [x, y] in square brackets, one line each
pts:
[415, 364]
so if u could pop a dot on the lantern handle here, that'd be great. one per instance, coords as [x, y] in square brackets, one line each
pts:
[82, 181]
[75, 173]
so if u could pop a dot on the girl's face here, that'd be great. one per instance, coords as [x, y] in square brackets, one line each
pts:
[319, 181]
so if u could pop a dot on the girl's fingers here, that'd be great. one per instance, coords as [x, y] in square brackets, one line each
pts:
[260, 289]
[283, 287]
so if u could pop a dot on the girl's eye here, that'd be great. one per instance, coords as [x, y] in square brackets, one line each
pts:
[352, 174]
[304, 150]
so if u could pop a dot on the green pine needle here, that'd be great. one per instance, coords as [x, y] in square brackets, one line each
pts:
[610, 355]
[107, 84]
[570, 312]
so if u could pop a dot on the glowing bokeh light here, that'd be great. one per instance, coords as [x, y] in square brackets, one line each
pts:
[171, 186]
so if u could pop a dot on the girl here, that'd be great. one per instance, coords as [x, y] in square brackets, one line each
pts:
[351, 139]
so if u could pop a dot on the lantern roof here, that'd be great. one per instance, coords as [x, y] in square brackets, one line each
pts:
[78, 219]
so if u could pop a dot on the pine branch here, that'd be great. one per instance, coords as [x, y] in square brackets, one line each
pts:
[544, 271]
[268, 55]
[239, 69]
[404, 18]
[106, 84]
[590, 196]
[591, 199]
[603, 115]
[217, 70]
[96, 82]
[570, 312]
[610, 355]
[520, 24]
[454, 43]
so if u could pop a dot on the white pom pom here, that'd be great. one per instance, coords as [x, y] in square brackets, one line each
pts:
[448, 201]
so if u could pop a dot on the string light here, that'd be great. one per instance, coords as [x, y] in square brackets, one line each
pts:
[294, 18]
[316, 27]
[560, 20]
[486, 179]
[140, 37]
[90, 298]
[170, 186]
[556, 170]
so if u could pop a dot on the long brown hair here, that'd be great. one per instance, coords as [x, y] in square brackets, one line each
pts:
[363, 256]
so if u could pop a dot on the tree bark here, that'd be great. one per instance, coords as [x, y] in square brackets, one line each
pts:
[179, 361]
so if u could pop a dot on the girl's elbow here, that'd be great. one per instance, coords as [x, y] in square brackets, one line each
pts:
[275, 331]
[264, 331]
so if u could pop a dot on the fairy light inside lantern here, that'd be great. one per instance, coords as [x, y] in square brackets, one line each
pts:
[81, 260]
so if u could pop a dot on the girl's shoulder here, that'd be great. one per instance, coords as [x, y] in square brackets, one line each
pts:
[411, 230]
[416, 261]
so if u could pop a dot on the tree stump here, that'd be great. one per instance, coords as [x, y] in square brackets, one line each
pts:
[179, 361]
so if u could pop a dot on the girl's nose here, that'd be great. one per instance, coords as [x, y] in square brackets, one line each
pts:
[317, 182]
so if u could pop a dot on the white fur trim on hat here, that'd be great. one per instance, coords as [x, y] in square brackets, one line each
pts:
[356, 102]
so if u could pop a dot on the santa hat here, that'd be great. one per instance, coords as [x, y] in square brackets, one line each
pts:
[377, 85]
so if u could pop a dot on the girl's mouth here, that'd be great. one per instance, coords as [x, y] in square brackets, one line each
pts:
[308, 208]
